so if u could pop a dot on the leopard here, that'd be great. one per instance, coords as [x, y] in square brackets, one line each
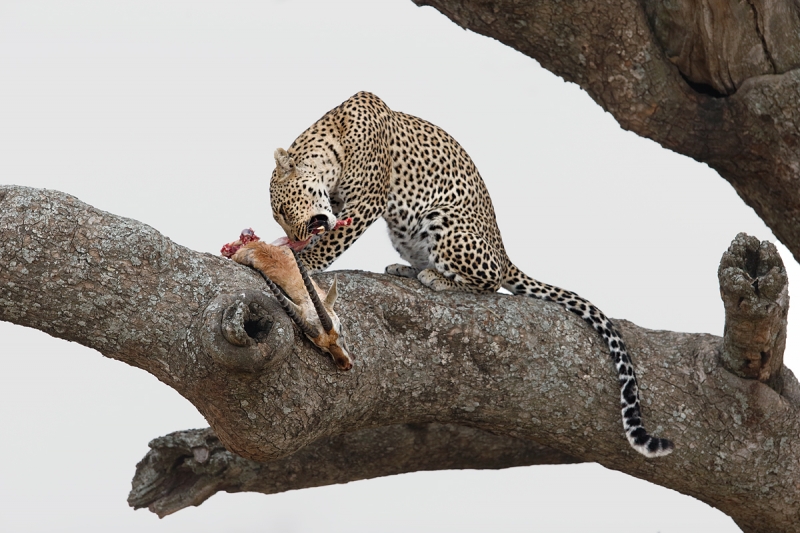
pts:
[364, 161]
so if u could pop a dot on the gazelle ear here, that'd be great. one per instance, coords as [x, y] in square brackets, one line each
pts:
[284, 164]
[333, 293]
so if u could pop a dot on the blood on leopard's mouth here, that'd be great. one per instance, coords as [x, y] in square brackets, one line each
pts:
[339, 224]
[320, 224]
[299, 245]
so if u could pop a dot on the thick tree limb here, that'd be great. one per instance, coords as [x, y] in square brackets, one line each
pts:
[187, 467]
[741, 114]
[512, 366]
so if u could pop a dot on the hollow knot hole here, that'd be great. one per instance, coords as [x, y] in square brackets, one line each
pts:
[246, 324]
[258, 324]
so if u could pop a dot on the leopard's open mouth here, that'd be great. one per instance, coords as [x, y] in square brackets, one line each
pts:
[318, 224]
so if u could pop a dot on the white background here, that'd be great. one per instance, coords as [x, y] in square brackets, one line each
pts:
[168, 112]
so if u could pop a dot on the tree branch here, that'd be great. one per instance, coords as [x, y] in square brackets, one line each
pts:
[187, 467]
[511, 366]
[716, 81]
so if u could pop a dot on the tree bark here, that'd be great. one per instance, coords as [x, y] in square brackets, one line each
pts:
[517, 368]
[714, 80]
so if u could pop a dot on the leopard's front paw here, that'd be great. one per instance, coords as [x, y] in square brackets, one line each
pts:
[404, 271]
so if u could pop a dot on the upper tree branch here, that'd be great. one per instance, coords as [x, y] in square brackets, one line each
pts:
[741, 114]
[513, 366]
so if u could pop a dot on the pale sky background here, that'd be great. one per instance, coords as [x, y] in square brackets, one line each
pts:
[169, 112]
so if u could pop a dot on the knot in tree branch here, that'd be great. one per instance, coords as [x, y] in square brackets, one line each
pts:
[246, 331]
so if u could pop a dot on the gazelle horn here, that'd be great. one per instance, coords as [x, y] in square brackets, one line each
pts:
[290, 308]
[324, 318]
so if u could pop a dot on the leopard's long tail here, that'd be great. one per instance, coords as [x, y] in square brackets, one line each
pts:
[521, 284]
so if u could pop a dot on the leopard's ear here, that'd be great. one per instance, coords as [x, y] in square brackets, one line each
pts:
[284, 164]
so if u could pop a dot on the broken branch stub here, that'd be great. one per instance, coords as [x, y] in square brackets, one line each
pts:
[755, 290]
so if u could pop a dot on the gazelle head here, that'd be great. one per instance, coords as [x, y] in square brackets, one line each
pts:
[326, 330]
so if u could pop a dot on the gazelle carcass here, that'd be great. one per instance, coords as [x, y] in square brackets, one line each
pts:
[307, 305]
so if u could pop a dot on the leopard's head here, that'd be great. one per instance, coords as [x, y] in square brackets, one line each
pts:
[299, 197]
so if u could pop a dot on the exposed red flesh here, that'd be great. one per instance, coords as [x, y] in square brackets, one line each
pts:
[247, 235]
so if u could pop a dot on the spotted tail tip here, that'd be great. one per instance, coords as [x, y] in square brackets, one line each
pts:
[651, 447]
